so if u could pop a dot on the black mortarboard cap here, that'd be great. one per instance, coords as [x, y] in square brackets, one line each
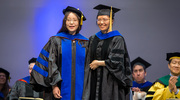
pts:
[5, 72]
[172, 55]
[140, 61]
[77, 11]
[32, 60]
[105, 10]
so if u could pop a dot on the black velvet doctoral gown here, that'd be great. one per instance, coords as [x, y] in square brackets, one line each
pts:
[113, 81]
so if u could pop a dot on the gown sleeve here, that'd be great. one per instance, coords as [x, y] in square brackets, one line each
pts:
[13, 94]
[46, 72]
[159, 92]
[118, 62]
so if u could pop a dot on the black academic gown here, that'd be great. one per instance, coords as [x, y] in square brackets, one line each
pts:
[22, 88]
[113, 81]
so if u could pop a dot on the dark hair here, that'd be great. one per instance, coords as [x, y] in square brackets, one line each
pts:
[103, 15]
[64, 28]
[132, 68]
[5, 89]
[169, 61]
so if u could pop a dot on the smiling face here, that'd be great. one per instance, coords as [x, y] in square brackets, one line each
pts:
[2, 78]
[72, 23]
[103, 22]
[174, 67]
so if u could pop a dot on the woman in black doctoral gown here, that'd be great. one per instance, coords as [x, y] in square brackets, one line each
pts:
[107, 68]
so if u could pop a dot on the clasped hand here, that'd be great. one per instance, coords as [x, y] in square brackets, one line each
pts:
[172, 83]
[136, 89]
[94, 64]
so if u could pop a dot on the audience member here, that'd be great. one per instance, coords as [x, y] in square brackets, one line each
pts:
[4, 86]
[140, 84]
[22, 87]
[167, 87]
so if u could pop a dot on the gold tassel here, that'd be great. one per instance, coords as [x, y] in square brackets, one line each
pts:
[110, 26]
[81, 19]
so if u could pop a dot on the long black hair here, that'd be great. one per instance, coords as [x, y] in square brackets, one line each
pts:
[6, 88]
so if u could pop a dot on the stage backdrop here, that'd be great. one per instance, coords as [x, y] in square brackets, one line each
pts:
[151, 28]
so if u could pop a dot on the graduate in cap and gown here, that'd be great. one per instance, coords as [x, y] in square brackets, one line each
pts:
[60, 65]
[107, 68]
[167, 87]
[23, 88]
[140, 84]
[4, 86]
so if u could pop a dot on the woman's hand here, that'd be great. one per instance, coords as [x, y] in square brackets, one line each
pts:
[96, 63]
[56, 92]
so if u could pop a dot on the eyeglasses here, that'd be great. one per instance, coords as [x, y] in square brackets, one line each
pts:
[104, 20]
[2, 76]
[71, 20]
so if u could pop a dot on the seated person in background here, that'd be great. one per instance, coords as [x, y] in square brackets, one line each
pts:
[4, 86]
[140, 85]
[167, 87]
[22, 88]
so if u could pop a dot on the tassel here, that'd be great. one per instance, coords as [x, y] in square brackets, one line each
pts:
[81, 19]
[110, 26]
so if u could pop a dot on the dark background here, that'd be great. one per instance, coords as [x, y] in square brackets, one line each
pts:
[150, 27]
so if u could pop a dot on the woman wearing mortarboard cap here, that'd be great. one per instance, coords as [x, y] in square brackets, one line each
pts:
[107, 68]
[4, 86]
[60, 65]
